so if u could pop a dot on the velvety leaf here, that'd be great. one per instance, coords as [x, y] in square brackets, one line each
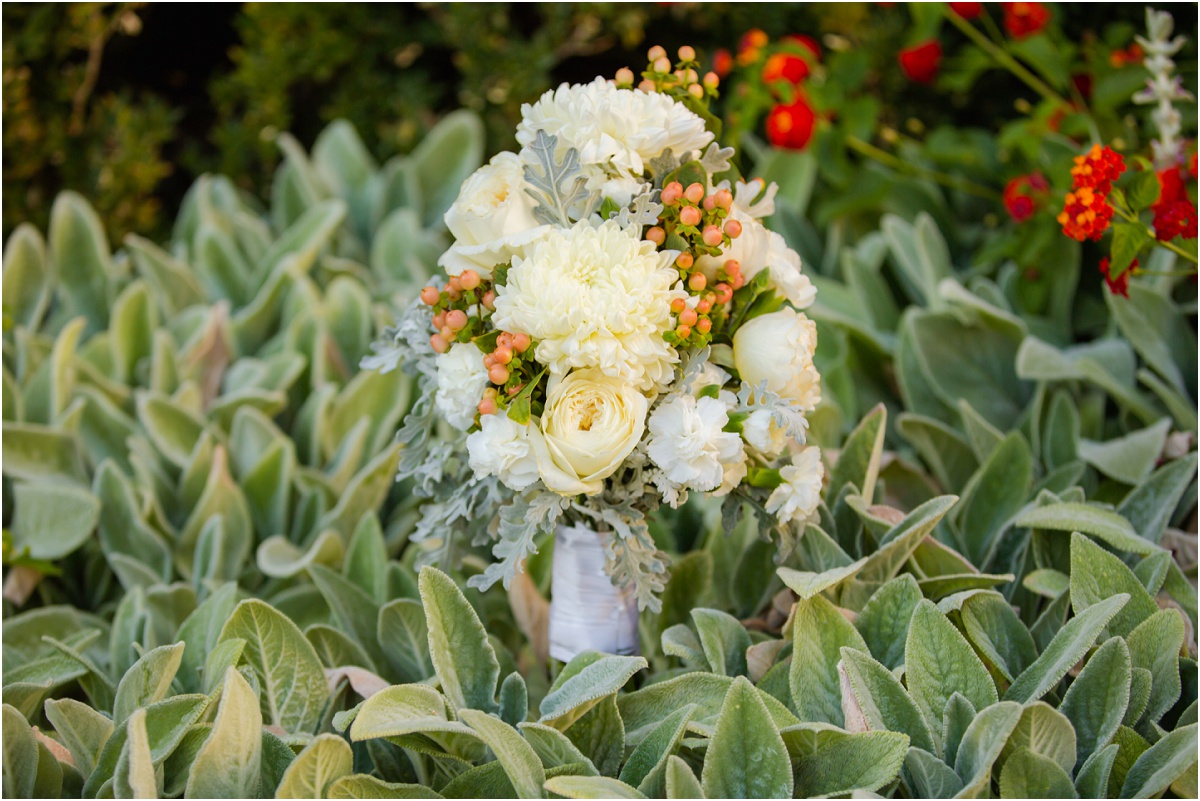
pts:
[602, 677]
[1164, 762]
[600, 735]
[1155, 645]
[134, 776]
[681, 782]
[81, 259]
[1030, 775]
[819, 633]
[807, 584]
[647, 766]
[1044, 731]
[993, 496]
[590, 787]
[462, 656]
[884, 702]
[1092, 779]
[1095, 702]
[956, 719]
[724, 641]
[930, 776]
[1149, 506]
[983, 742]
[1129, 459]
[227, 765]
[404, 637]
[20, 755]
[1068, 647]
[553, 747]
[1106, 526]
[148, 681]
[858, 460]
[1096, 574]
[322, 762]
[83, 730]
[520, 761]
[361, 785]
[939, 662]
[52, 520]
[883, 622]
[746, 757]
[993, 627]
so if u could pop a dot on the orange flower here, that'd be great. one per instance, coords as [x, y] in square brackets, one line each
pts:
[1086, 214]
[1024, 19]
[1098, 168]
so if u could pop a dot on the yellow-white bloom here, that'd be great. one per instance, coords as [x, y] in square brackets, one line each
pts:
[595, 297]
[778, 348]
[763, 435]
[798, 497]
[492, 219]
[616, 131]
[590, 424]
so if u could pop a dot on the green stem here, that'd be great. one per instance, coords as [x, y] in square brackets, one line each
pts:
[1011, 64]
[1168, 273]
[945, 179]
[1171, 246]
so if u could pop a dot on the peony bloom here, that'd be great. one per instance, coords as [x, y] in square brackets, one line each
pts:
[590, 424]
[778, 348]
[595, 297]
[791, 126]
[492, 219]
[921, 62]
[967, 10]
[798, 497]
[461, 379]
[616, 131]
[1024, 19]
[689, 445]
[504, 449]
[1120, 284]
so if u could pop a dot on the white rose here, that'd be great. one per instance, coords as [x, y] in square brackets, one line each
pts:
[590, 424]
[763, 435]
[778, 348]
[798, 497]
[492, 219]
[784, 264]
[688, 443]
[461, 379]
[503, 448]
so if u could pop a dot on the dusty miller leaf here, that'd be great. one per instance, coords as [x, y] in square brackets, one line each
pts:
[557, 186]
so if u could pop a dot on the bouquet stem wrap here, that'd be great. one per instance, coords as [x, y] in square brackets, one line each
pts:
[587, 611]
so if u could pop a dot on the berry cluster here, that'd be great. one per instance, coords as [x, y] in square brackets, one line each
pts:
[452, 305]
[699, 225]
[510, 367]
[681, 80]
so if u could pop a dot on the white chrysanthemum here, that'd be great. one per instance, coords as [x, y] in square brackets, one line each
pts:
[502, 448]
[798, 497]
[461, 379]
[594, 297]
[615, 130]
[688, 444]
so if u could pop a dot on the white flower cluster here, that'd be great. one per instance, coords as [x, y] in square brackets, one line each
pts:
[575, 352]
[1163, 88]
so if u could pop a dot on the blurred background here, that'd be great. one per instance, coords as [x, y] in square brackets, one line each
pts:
[128, 103]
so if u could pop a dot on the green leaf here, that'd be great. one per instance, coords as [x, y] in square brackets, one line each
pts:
[1092, 779]
[920, 252]
[819, 633]
[1128, 239]
[930, 776]
[858, 461]
[52, 520]
[227, 765]
[1045, 731]
[134, 776]
[1100, 523]
[982, 743]
[83, 730]
[646, 767]
[201, 631]
[681, 782]
[1155, 645]
[404, 637]
[553, 747]
[884, 702]
[643, 709]
[600, 735]
[520, 761]
[903, 539]
[956, 719]
[290, 675]
[81, 259]
[167, 724]
[746, 757]
[1096, 574]
[355, 611]
[322, 762]
[585, 687]
[993, 496]
[883, 622]
[462, 656]
[806, 584]
[995, 630]
[27, 284]
[1030, 775]
[361, 785]
[590, 787]
[366, 558]
[447, 155]
[1068, 646]
[403, 709]
[1095, 702]
[1130, 458]
[1143, 190]
[1149, 506]
[724, 641]
[829, 762]
[148, 681]
[20, 755]
[279, 558]
[1164, 762]
[939, 662]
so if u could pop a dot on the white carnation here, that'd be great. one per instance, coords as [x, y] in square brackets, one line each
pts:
[616, 131]
[798, 497]
[688, 444]
[763, 435]
[492, 219]
[502, 448]
[461, 379]
[595, 297]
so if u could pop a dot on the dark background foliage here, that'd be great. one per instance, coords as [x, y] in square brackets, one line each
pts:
[129, 102]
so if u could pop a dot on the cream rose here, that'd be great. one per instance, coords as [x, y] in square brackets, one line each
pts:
[590, 424]
[778, 348]
[492, 219]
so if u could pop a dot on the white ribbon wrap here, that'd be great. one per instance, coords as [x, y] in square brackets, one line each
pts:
[587, 611]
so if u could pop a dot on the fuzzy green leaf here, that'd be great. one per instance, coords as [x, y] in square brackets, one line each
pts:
[746, 757]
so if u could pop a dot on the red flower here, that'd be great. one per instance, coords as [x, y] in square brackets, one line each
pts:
[1024, 19]
[1131, 55]
[1119, 285]
[967, 10]
[722, 63]
[1085, 214]
[806, 42]
[751, 45]
[921, 62]
[1098, 168]
[791, 126]
[785, 67]
[1174, 212]
[1022, 193]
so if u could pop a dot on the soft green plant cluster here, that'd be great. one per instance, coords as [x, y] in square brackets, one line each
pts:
[209, 589]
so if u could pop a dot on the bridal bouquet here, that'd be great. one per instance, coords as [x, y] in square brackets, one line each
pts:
[616, 329]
